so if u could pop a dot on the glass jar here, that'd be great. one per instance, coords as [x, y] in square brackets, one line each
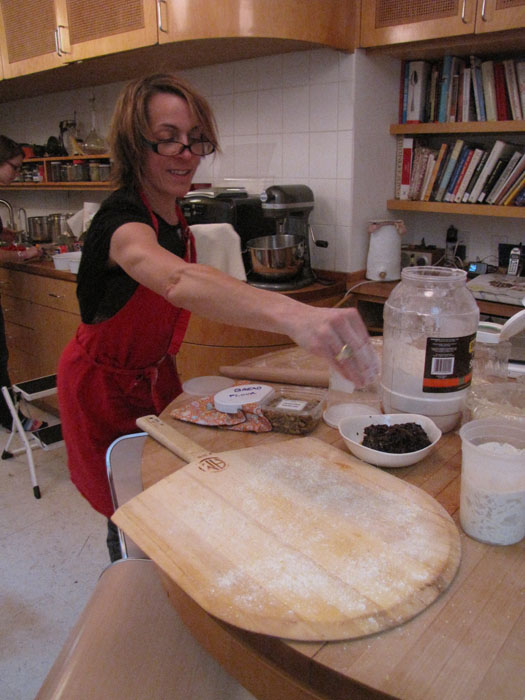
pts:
[491, 354]
[430, 324]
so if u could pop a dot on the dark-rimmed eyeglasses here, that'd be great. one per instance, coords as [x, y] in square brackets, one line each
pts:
[16, 168]
[170, 147]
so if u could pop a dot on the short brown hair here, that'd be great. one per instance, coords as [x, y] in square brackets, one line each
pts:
[9, 149]
[129, 126]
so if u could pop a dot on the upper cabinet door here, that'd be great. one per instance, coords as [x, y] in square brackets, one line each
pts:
[385, 22]
[100, 27]
[496, 15]
[28, 36]
[324, 22]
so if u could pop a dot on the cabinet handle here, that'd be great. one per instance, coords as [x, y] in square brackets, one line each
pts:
[463, 11]
[58, 41]
[159, 15]
[483, 7]
[55, 296]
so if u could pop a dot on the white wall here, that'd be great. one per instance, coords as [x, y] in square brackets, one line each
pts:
[318, 117]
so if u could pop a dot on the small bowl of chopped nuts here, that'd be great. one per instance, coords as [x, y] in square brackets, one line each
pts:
[391, 439]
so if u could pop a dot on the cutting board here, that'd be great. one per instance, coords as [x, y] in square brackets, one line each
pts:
[296, 539]
[288, 366]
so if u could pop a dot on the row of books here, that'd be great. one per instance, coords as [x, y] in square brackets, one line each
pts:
[460, 172]
[457, 89]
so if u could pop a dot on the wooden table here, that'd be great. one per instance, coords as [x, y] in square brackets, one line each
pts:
[470, 643]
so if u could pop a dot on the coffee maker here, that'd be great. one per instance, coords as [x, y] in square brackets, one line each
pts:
[289, 207]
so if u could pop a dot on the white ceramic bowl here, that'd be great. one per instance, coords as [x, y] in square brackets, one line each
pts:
[352, 429]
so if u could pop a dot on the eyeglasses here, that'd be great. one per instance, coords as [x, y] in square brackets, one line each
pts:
[170, 147]
[16, 168]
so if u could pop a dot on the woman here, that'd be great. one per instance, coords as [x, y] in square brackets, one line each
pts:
[11, 157]
[137, 284]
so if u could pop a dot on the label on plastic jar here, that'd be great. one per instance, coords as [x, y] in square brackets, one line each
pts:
[448, 364]
[291, 405]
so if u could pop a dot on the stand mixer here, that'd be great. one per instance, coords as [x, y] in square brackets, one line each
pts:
[281, 261]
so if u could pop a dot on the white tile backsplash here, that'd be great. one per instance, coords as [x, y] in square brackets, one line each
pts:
[245, 119]
[296, 156]
[296, 109]
[270, 111]
[323, 107]
[323, 154]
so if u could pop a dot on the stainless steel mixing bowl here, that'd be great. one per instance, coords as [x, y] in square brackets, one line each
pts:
[277, 257]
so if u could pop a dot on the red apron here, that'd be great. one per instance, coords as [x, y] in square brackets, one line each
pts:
[115, 371]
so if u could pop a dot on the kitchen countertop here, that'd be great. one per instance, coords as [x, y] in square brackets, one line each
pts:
[468, 644]
[44, 268]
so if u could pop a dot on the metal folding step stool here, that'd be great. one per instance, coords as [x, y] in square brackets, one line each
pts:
[45, 438]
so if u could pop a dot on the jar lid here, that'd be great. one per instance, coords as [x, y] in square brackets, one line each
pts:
[233, 399]
[488, 332]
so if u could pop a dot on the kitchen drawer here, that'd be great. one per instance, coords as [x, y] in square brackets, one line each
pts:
[56, 294]
[21, 338]
[19, 311]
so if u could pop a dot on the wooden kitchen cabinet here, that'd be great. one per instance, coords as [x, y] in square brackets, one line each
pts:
[41, 315]
[384, 22]
[208, 345]
[328, 22]
[37, 35]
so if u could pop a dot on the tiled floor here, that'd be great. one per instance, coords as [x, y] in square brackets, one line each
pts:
[52, 552]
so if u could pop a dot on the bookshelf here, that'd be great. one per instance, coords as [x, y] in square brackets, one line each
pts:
[451, 128]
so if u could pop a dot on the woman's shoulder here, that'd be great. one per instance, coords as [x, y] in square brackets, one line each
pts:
[124, 199]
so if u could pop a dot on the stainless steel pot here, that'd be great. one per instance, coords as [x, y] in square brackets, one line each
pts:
[38, 229]
[57, 224]
[277, 257]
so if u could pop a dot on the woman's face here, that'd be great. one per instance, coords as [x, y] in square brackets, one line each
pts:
[9, 169]
[169, 118]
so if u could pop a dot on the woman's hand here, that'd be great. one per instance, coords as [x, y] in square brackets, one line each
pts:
[30, 253]
[340, 336]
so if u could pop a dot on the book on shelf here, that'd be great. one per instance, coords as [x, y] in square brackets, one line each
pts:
[512, 88]
[458, 176]
[502, 100]
[466, 110]
[477, 84]
[417, 90]
[500, 149]
[475, 175]
[489, 90]
[520, 77]
[399, 165]
[441, 170]
[433, 92]
[453, 97]
[455, 172]
[474, 160]
[401, 110]
[514, 191]
[441, 155]
[498, 186]
[403, 91]
[428, 173]
[419, 167]
[444, 89]
[520, 198]
[492, 179]
[511, 180]
[406, 166]
[447, 173]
